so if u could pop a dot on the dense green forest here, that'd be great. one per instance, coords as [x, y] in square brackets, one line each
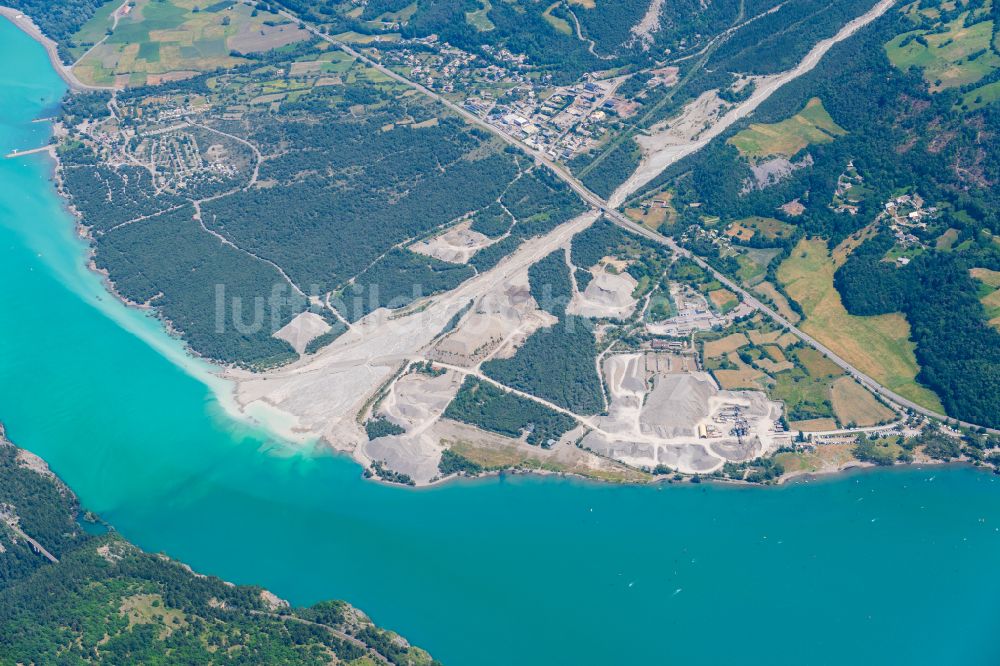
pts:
[777, 41]
[381, 427]
[492, 221]
[224, 302]
[958, 352]
[399, 278]
[453, 463]
[539, 203]
[350, 190]
[44, 509]
[485, 406]
[106, 601]
[550, 283]
[599, 240]
[557, 364]
[901, 138]
[615, 166]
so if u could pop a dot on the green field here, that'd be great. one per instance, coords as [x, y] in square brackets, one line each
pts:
[878, 346]
[560, 24]
[163, 39]
[480, 19]
[811, 125]
[816, 392]
[989, 293]
[944, 53]
[981, 96]
[95, 29]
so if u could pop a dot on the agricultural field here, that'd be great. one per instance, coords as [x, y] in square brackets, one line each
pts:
[654, 211]
[95, 29]
[478, 19]
[814, 425]
[817, 393]
[767, 227]
[779, 301]
[722, 346]
[161, 40]
[723, 300]
[950, 55]
[853, 404]
[989, 293]
[879, 346]
[811, 125]
[946, 240]
[559, 24]
[753, 263]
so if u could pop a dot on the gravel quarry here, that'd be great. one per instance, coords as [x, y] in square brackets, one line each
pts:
[663, 414]
[609, 295]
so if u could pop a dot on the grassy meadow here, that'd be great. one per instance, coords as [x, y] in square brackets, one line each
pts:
[817, 394]
[167, 39]
[949, 55]
[878, 346]
[811, 125]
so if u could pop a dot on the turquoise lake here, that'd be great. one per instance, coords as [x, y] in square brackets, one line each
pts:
[882, 567]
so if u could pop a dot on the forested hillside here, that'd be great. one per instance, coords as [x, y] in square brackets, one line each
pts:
[106, 601]
[902, 186]
[545, 32]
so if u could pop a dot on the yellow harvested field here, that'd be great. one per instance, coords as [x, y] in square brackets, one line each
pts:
[811, 125]
[814, 425]
[487, 455]
[775, 353]
[586, 4]
[787, 340]
[762, 338]
[986, 276]
[730, 343]
[780, 302]
[744, 378]
[826, 458]
[723, 299]
[737, 230]
[853, 404]
[878, 346]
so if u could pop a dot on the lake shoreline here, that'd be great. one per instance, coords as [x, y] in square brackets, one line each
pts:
[270, 422]
[224, 380]
[28, 26]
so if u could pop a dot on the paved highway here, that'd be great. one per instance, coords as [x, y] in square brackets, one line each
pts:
[626, 223]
